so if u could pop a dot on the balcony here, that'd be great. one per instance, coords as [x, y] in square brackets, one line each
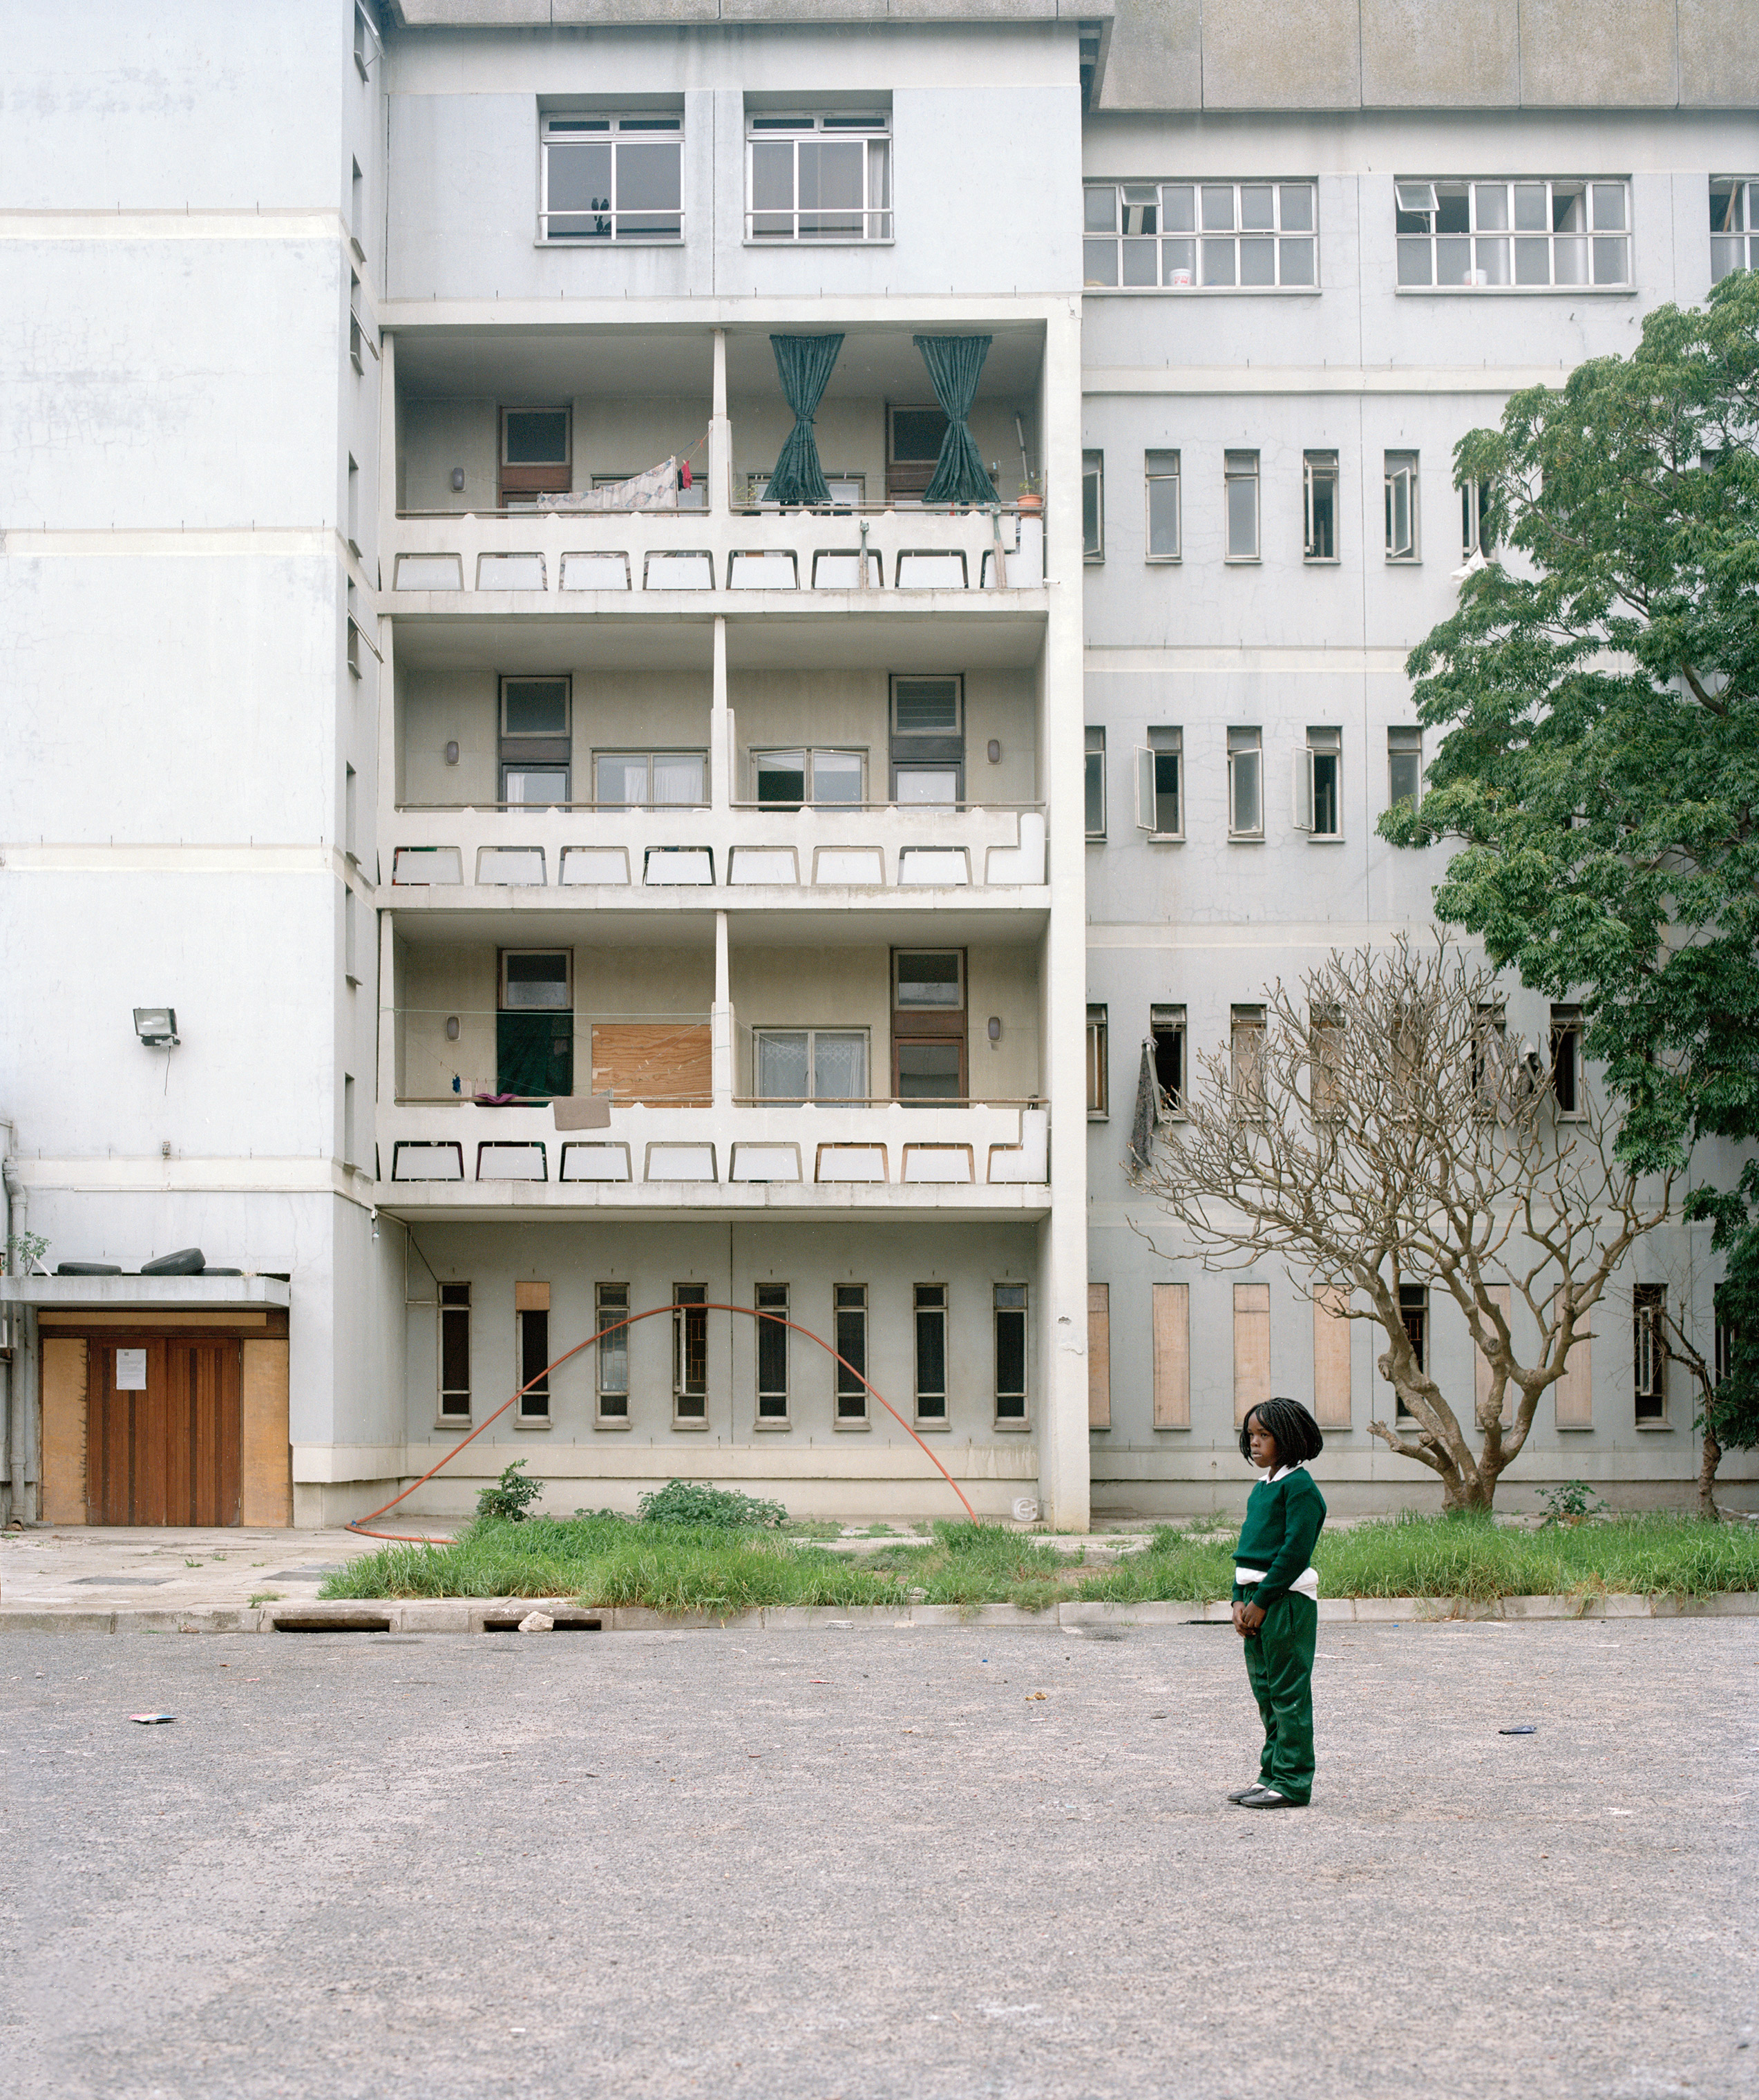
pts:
[461, 1158]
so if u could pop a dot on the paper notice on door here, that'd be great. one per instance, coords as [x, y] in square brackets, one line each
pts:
[130, 1370]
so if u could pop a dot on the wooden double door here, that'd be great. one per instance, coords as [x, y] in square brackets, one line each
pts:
[164, 1441]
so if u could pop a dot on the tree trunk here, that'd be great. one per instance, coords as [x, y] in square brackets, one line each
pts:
[1712, 1457]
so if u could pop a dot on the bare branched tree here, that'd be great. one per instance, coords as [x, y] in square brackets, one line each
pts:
[1381, 1129]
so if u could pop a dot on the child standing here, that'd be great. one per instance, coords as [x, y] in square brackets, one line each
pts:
[1276, 1593]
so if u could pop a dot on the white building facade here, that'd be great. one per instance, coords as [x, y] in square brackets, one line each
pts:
[581, 902]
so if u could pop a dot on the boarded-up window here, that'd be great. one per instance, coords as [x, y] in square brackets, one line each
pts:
[1331, 1356]
[639, 1061]
[1575, 1390]
[1481, 1375]
[1251, 1346]
[1099, 1355]
[1172, 1321]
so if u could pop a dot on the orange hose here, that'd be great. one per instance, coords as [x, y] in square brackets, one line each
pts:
[401, 1539]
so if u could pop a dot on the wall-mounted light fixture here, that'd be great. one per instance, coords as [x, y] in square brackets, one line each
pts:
[451, 1028]
[156, 1026]
[458, 479]
[995, 750]
[995, 1028]
[451, 754]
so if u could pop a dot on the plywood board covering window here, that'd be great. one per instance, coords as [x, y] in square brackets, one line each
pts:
[1498, 1295]
[637, 1061]
[1099, 1355]
[1172, 1338]
[1575, 1390]
[1251, 1346]
[1331, 1356]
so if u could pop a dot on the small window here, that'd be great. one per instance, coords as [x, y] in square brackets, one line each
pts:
[366, 43]
[850, 1311]
[611, 1303]
[812, 1064]
[535, 744]
[1534, 235]
[690, 1353]
[534, 1362]
[1160, 784]
[1414, 1311]
[930, 1071]
[1473, 539]
[1254, 235]
[1318, 784]
[1095, 786]
[1734, 225]
[1401, 507]
[1166, 1030]
[932, 1352]
[1161, 471]
[1010, 1352]
[1727, 1341]
[1566, 1060]
[1319, 478]
[1649, 1305]
[356, 201]
[1240, 486]
[1245, 783]
[772, 1352]
[815, 178]
[1093, 507]
[1490, 1035]
[932, 978]
[1246, 1057]
[354, 508]
[454, 1351]
[611, 179]
[535, 980]
[824, 779]
[651, 779]
[534, 706]
[1325, 1050]
[927, 707]
[1404, 767]
[1098, 1089]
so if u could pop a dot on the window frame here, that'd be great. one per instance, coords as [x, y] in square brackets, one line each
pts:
[1170, 245]
[1322, 747]
[534, 1405]
[1408, 470]
[1744, 238]
[1419, 196]
[1246, 1023]
[1016, 1305]
[810, 754]
[528, 479]
[651, 127]
[612, 1298]
[1567, 1075]
[1413, 1307]
[812, 1033]
[770, 1417]
[929, 1298]
[1093, 747]
[1314, 469]
[870, 128]
[1413, 749]
[452, 1311]
[849, 1402]
[623, 751]
[1649, 1396]
[1094, 511]
[1473, 543]
[1098, 1064]
[1171, 1021]
[1149, 759]
[1235, 473]
[688, 1300]
[1237, 753]
[1164, 476]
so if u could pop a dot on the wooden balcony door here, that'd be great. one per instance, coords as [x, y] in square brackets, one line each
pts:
[164, 1432]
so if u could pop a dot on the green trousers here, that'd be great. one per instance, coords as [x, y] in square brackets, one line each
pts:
[1280, 1669]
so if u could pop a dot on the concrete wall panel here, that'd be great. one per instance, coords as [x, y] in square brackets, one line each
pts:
[1440, 54]
[1577, 53]
[1719, 56]
[1310, 58]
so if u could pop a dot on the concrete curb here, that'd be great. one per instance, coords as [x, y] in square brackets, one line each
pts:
[470, 1615]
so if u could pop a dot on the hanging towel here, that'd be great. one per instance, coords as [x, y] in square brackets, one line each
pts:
[1147, 1105]
[803, 364]
[654, 490]
[955, 364]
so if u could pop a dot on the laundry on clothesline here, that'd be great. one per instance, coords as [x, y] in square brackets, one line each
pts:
[654, 490]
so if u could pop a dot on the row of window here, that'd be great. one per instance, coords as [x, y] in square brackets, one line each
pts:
[776, 1359]
[1166, 1042]
[1332, 1394]
[1535, 234]
[1163, 502]
[1318, 782]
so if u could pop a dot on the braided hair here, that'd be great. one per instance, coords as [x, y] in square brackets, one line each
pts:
[1296, 1432]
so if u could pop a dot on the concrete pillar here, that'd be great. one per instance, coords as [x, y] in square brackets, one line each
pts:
[720, 435]
[721, 1020]
[720, 732]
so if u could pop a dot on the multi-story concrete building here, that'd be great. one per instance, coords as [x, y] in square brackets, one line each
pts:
[586, 892]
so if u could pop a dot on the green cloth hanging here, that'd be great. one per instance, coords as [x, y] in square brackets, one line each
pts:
[803, 364]
[955, 364]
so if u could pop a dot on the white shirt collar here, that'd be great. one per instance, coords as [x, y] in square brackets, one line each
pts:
[1272, 1478]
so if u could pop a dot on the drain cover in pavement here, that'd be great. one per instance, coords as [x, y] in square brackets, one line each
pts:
[307, 1574]
[122, 1581]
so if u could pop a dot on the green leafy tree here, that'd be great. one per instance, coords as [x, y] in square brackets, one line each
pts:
[1599, 689]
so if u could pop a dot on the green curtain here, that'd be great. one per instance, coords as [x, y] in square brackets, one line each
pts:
[534, 1054]
[955, 364]
[803, 364]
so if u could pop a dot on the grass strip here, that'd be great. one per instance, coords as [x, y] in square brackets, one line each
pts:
[678, 1568]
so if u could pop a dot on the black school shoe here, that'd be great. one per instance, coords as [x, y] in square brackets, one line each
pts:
[1267, 1797]
[1239, 1793]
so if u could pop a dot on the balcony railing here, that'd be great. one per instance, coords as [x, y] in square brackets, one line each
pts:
[685, 1153]
[435, 851]
[869, 553]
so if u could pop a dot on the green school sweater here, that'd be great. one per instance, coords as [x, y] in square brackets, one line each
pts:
[1283, 1520]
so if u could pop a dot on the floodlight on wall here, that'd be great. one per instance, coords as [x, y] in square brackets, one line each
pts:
[156, 1026]
[458, 480]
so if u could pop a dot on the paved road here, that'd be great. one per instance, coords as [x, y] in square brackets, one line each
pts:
[800, 1866]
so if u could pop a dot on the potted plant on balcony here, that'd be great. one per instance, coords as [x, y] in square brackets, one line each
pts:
[1029, 498]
